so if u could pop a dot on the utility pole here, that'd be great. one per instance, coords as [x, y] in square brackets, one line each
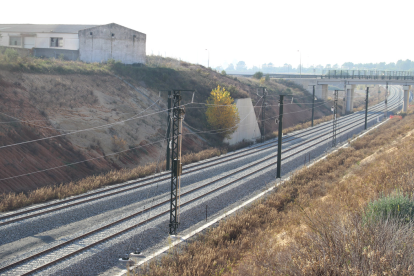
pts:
[379, 92]
[279, 139]
[176, 141]
[386, 102]
[167, 166]
[313, 103]
[399, 100]
[334, 119]
[366, 108]
[263, 114]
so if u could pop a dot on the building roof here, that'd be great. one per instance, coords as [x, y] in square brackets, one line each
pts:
[43, 28]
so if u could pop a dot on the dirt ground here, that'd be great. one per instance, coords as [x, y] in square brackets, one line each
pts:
[96, 116]
[118, 118]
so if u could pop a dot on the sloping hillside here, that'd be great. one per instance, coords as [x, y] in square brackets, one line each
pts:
[53, 105]
[99, 110]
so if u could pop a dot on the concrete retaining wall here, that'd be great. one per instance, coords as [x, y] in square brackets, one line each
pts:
[21, 51]
[321, 91]
[248, 128]
[55, 53]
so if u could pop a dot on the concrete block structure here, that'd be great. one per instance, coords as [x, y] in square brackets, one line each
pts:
[349, 97]
[88, 43]
[406, 89]
[321, 91]
[248, 128]
[112, 41]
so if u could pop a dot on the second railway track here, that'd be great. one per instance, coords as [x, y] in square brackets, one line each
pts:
[64, 250]
[137, 184]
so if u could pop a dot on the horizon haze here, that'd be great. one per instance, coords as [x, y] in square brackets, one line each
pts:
[358, 32]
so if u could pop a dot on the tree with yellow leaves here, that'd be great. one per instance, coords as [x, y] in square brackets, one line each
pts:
[222, 114]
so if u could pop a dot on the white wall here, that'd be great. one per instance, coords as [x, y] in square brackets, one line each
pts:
[5, 39]
[29, 42]
[248, 128]
[70, 41]
[112, 41]
[42, 40]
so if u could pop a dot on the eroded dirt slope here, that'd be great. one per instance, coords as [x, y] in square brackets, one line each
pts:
[119, 117]
[53, 105]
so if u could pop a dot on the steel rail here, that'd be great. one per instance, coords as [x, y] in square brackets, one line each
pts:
[118, 191]
[8, 267]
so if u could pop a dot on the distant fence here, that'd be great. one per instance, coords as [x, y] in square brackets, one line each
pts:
[369, 74]
[344, 74]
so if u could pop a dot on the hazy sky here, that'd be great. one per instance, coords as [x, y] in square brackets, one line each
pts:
[256, 32]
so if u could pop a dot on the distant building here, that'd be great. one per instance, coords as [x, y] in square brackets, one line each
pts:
[88, 43]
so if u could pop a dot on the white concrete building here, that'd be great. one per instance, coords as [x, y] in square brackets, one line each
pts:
[88, 43]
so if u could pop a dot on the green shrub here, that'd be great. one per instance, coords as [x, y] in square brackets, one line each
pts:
[235, 93]
[258, 75]
[223, 73]
[267, 78]
[11, 54]
[395, 206]
[117, 66]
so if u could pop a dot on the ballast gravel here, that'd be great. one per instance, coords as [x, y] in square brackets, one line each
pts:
[105, 256]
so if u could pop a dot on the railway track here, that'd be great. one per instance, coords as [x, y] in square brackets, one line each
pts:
[67, 249]
[133, 185]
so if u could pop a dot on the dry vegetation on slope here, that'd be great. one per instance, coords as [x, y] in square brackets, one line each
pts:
[58, 97]
[292, 233]
[12, 201]
[164, 73]
[374, 96]
[51, 105]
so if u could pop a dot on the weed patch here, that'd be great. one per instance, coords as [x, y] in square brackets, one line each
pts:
[396, 206]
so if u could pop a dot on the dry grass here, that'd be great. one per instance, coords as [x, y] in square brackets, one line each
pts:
[336, 246]
[14, 201]
[118, 144]
[291, 232]
[202, 155]
[26, 63]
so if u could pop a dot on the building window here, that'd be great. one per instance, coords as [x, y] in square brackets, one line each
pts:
[15, 41]
[56, 42]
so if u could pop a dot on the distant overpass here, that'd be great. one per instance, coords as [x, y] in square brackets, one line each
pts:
[345, 74]
[369, 75]
[347, 80]
[282, 75]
